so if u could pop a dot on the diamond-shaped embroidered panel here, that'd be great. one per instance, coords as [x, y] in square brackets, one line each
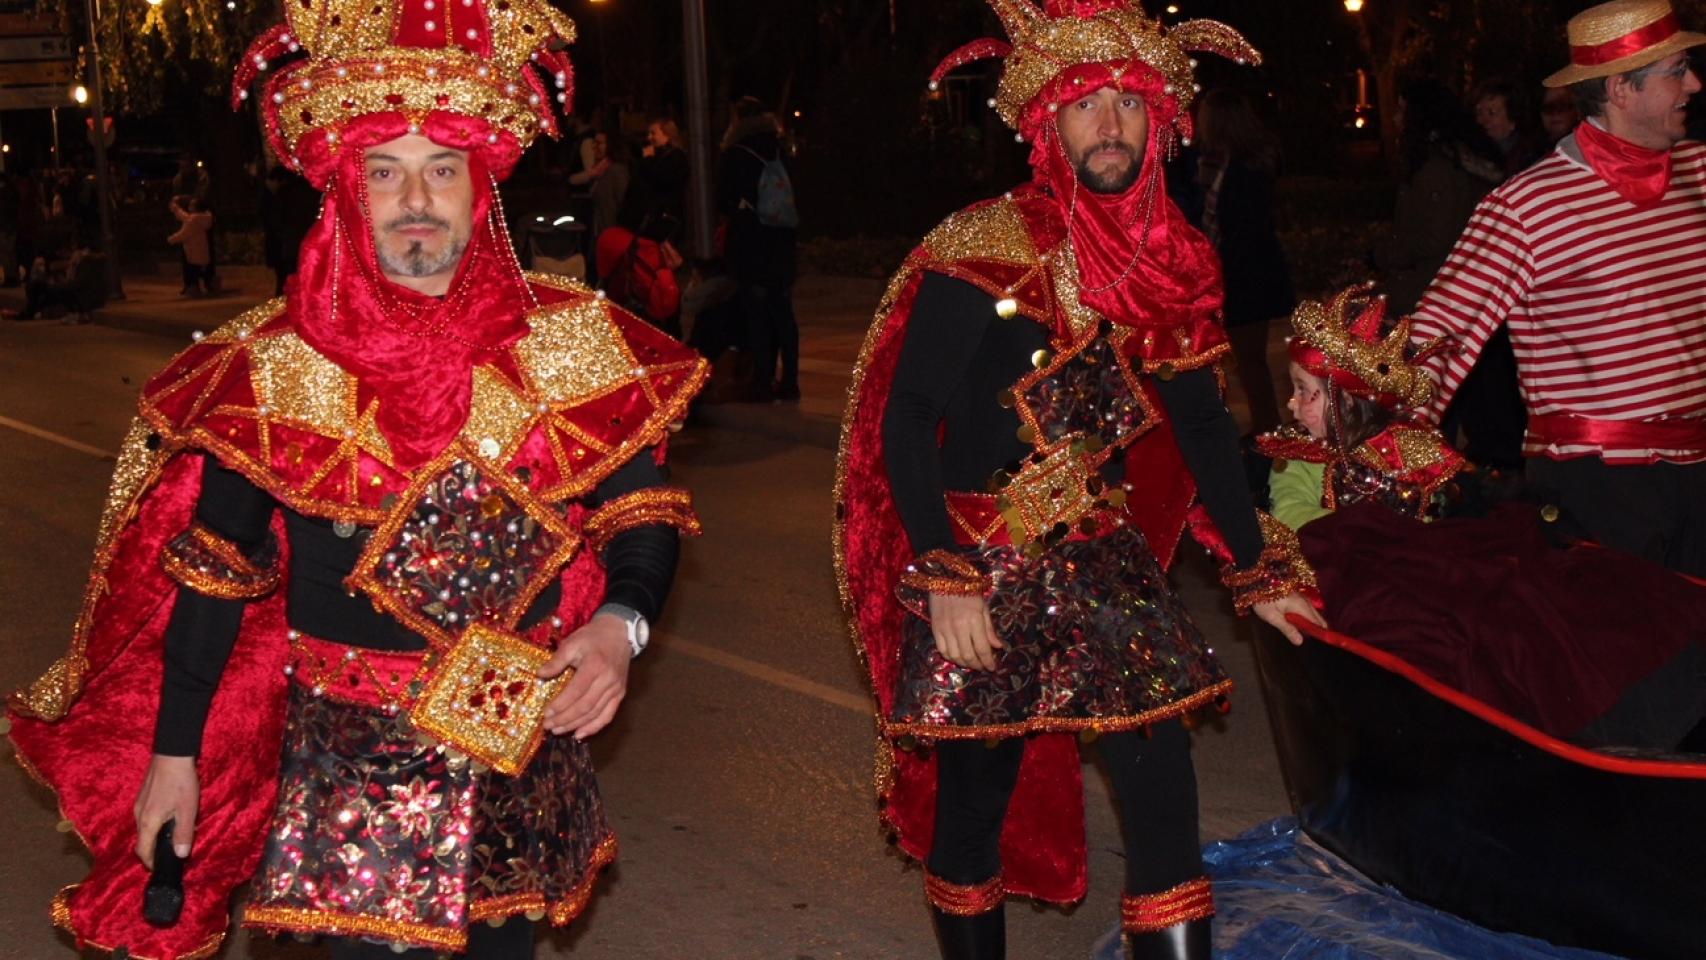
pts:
[469, 553]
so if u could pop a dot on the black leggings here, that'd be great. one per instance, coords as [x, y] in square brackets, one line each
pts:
[1154, 785]
[512, 941]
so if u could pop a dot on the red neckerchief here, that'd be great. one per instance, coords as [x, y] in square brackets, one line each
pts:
[1640, 175]
[1140, 263]
[415, 353]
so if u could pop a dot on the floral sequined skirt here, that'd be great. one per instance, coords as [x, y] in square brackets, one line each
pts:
[1096, 639]
[379, 834]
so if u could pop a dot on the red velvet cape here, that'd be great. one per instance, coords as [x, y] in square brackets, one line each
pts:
[632, 382]
[996, 246]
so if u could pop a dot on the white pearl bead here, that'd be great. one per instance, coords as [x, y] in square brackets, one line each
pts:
[430, 26]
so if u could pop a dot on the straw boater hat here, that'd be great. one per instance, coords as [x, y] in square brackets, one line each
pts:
[1624, 35]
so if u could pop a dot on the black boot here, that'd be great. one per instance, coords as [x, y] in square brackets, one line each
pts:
[1181, 941]
[982, 936]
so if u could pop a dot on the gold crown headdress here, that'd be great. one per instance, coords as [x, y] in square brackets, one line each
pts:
[473, 59]
[1341, 341]
[1050, 47]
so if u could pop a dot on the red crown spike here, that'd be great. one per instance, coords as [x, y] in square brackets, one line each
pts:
[266, 48]
[984, 49]
[1367, 324]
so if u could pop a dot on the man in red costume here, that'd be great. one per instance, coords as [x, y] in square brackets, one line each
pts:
[1035, 411]
[377, 554]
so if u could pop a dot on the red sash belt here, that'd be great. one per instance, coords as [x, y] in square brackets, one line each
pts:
[1564, 430]
[355, 675]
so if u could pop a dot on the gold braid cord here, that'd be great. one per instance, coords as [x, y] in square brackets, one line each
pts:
[1146, 913]
[653, 506]
[963, 900]
[940, 571]
[1281, 570]
[212, 566]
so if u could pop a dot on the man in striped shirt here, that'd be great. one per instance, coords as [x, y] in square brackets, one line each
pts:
[1594, 256]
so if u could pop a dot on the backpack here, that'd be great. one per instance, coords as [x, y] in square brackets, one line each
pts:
[775, 193]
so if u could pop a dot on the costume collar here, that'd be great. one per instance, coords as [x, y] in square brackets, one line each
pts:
[1140, 264]
[1640, 175]
[414, 353]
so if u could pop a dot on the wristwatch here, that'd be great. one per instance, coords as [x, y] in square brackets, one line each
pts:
[639, 631]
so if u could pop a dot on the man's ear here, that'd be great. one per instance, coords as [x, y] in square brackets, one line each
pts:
[1619, 90]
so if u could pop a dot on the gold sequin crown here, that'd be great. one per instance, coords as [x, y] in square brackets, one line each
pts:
[1048, 43]
[1341, 341]
[476, 58]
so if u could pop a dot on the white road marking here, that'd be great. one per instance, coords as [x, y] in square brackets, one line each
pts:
[823, 692]
[52, 437]
[835, 697]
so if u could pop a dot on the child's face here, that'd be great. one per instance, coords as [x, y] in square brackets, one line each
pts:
[1308, 402]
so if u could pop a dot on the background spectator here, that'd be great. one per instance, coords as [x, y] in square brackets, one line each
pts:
[1449, 164]
[1500, 113]
[656, 202]
[755, 197]
[1558, 114]
[289, 207]
[194, 225]
[1236, 170]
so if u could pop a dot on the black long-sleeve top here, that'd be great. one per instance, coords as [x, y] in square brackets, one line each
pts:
[639, 566]
[958, 356]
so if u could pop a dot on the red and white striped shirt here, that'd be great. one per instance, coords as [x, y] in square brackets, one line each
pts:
[1606, 303]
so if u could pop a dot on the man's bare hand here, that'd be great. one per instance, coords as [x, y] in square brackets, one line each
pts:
[600, 656]
[1274, 613]
[169, 792]
[964, 633]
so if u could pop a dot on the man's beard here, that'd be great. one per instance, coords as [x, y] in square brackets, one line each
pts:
[415, 262]
[1114, 181]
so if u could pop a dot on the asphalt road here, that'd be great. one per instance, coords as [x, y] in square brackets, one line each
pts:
[739, 770]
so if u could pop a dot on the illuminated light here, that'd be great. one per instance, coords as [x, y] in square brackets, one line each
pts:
[538, 219]
[5, 148]
[796, 114]
[1172, 8]
[155, 3]
[1354, 6]
[80, 93]
[1362, 122]
[560, 221]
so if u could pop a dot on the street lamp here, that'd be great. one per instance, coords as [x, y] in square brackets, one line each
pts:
[80, 94]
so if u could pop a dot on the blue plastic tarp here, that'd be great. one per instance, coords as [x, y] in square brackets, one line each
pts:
[1279, 896]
